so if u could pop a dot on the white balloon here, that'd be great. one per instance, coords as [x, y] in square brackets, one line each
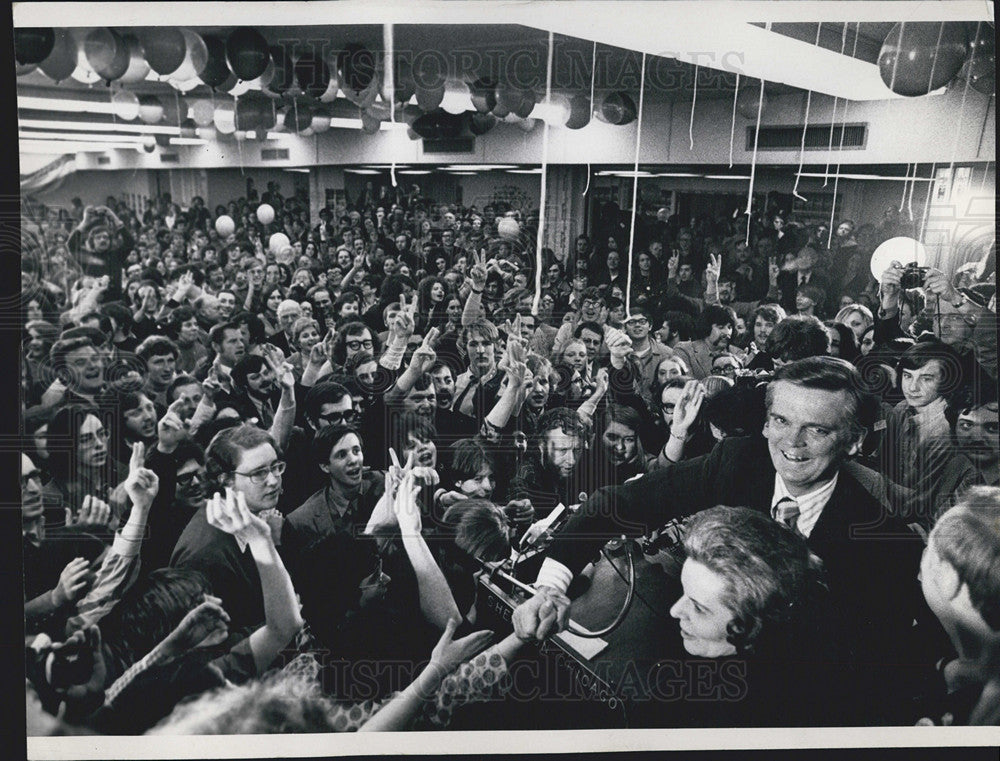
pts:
[265, 213]
[457, 97]
[186, 85]
[125, 105]
[83, 73]
[320, 124]
[508, 228]
[225, 226]
[902, 250]
[203, 112]
[151, 113]
[225, 120]
[277, 242]
[195, 57]
[527, 124]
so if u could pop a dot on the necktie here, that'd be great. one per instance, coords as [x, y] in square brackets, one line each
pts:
[786, 512]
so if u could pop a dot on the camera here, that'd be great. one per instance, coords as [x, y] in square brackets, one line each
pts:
[913, 276]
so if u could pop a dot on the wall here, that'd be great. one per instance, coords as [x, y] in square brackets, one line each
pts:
[95, 186]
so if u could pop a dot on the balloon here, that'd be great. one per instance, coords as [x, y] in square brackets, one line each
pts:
[363, 98]
[250, 110]
[411, 113]
[748, 100]
[429, 99]
[320, 123]
[312, 75]
[83, 73]
[307, 132]
[225, 226]
[206, 133]
[216, 69]
[188, 128]
[33, 44]
[224, 120]
[61, 61]
[278, 241]
[265, 213]
[911, 54]
[618, 108]
[527, 104]
[484, 95]
[439, 124]
[125, 105]
[980, 66]
[283, 71]
[247, 53]
[195, 57]
[456, 96]
[480, 124]
[381, 111]
[356, 66]
[138, 69]
[25, 68]
[412, 134]
[508, 228]
[527, 124]
[902, 250]
[403, 85]
[500, 111]
[150, 109]
[579, 112]
[986, 83]
[165, 49]
[298, 115]
[186, 85]
[149, 143]
[370, 124]
[174, 109]
[107, 53]
[203, 112]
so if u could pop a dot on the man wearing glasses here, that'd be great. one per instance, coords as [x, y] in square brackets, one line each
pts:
[242, 459]
[646, 350]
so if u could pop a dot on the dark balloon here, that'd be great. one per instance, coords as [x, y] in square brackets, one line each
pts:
[284, 71]
[250, 110]
[216, 70]
[357, 67]
[579, 112]
[61, 60]
[165, 48]
[107, 53]
[33, 45]
[299, 115]
[619, 108]
[527, 104]
[247, 53]
[484, 95]
[480, 124]
[312, 74]
[438, 124]
[914, 62]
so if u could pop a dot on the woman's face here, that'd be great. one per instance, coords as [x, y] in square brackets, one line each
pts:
[856, 322]
[437, 293]
[834, 335]
[613, 260]
[462, 264]
[441, 264]
[479, 486]
[644, 263]
[41, 439]
[425, 227]
[273, 274]
[310, 250]
[620, 443]
[867, 342]
[575, 356]
[189, 331]
[454, 310]
[308, 337]
[92, 443]
[307, 309]
[700, 612]
[667, 370]
[273, 300]
[34, 310]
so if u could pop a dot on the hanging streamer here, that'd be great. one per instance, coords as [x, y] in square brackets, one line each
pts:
[732, 128]
[635, 190]
[906, 179]
[753, 160]
[961, 117]
[986, 118]
[833, 115]
[545, 166]
[694, 101]
[840, 150]
[389, 80]
[927, 202]
[986, 176]
[593, 79]
[805, 126]
[913, 186]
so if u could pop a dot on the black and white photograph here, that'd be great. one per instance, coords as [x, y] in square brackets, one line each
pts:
[470, 371]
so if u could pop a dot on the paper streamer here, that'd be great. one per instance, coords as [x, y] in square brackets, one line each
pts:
[833, 115]
[593, 79]
[588, 180]
[805, 126]
[635, 189]
[961, 116]
[753, 160]
[906, 178]
[694, 101]
[913, 186]
[986, 176]
[390, 87]
[927, 202]
[545, 167]
[732, 128]
[986, 118]
[840, 149]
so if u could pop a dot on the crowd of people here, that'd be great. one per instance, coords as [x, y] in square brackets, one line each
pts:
[252, 474]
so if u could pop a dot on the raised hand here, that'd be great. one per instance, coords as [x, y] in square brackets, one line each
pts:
[72, 582]
[231, 514]
[601, 381]
[773, 270]
[891, 278]
[404, 505]
[78, 672]
[449, 654]
[317, 354]
[359, 261]
[714, 269]
[618, 343]
[541, 616]
[673, 263]
[142, 484]
[686, 411]
[172, 429]
[205, 626]
[211, 386]
[478, 272]
[93, 512]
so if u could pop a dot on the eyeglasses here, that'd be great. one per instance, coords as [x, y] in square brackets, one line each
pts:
[335, 418]
[260, 475]
[183, 479]
[637, 321]
[355, 345]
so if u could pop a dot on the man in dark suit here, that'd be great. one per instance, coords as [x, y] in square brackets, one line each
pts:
[801, 272]
[794, 473]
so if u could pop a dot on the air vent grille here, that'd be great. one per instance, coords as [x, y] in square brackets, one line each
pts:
[273, 154]
[103, 159]
[449, 145]
[818, 137]
[170, 158]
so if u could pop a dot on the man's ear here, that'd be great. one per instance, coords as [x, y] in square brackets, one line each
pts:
[854, 442]
[325, 467]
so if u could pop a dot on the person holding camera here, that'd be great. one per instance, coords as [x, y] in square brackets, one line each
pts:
[101, 242]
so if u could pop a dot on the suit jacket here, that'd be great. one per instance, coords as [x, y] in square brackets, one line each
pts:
[697, 356]
[871, 557]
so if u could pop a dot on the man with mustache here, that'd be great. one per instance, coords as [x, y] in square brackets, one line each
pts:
[714, 328]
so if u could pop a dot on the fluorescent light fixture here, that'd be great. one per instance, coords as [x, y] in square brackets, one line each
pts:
[624, 173]
[480, 167]
[80, 137]
[462, 174]
[727, 176]
[821, 175]
[147, 129]
[676, 174]
[296, 169]
[538, 170]
[415, 171]
[187, 141]
[386, 166]
[65, 146]
[59, 104]
[363, 171]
